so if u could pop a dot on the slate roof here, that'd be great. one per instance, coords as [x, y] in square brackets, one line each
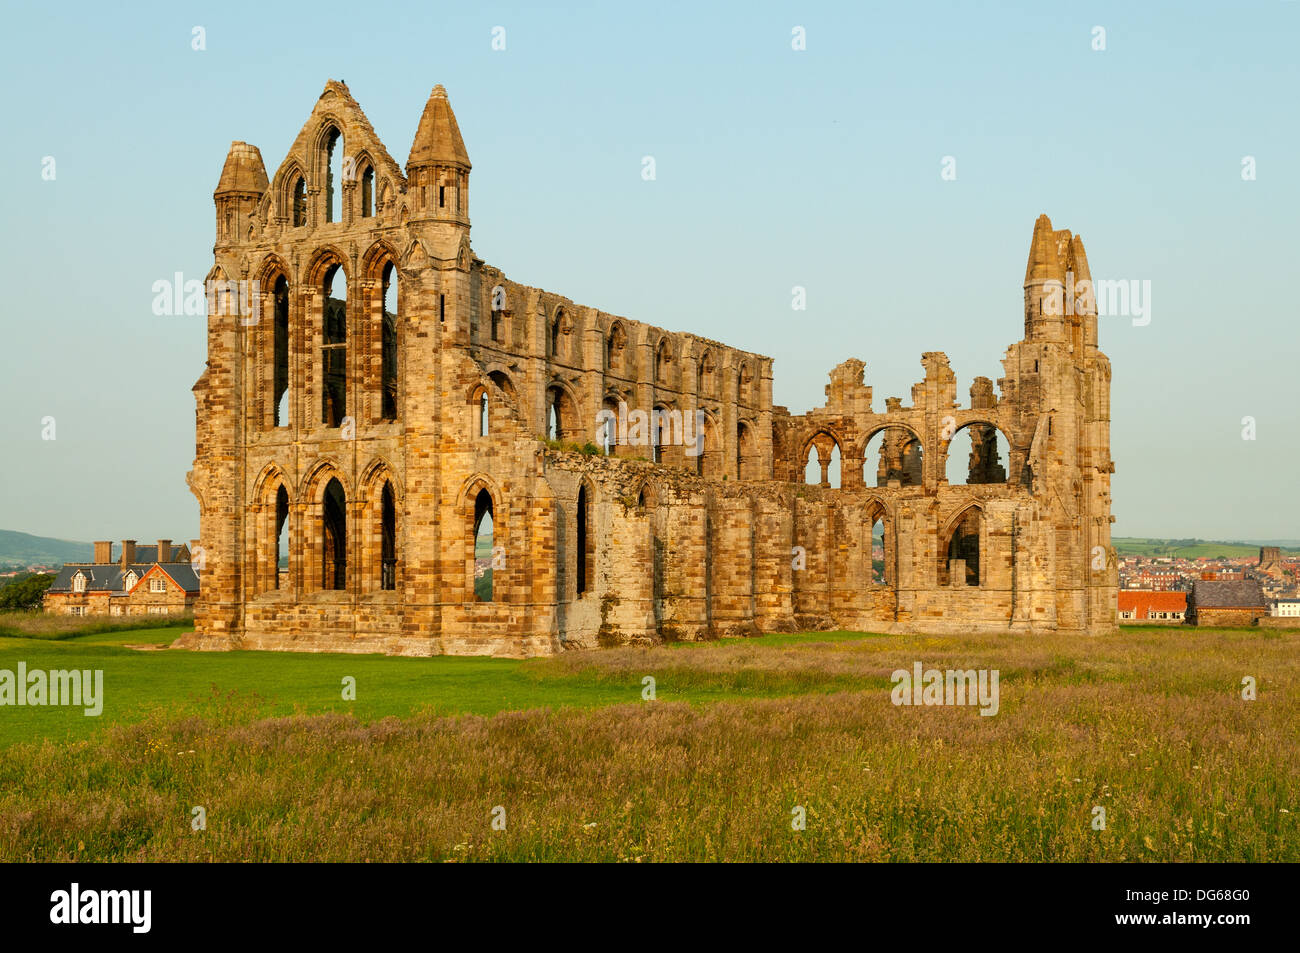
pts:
[149, 554]
[109, 577]
[1227, 594]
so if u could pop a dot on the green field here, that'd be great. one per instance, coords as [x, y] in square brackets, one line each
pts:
[180, 683]
[1148, 724]
[1186, 549]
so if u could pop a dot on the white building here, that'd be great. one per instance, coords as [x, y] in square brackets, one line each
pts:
[1284, 607]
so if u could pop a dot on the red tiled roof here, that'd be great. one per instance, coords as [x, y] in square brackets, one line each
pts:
[1147, 602]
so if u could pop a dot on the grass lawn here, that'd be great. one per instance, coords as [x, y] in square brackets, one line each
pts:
[179, 683]
[1149, 724]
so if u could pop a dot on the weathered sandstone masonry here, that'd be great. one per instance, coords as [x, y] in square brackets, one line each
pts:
[387, 399]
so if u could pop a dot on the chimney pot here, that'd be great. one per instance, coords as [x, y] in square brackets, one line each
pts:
[164, 550]
[128, 552]
[103, 551]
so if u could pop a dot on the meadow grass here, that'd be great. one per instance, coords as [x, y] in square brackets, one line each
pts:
[41, 625]
[1149, 724]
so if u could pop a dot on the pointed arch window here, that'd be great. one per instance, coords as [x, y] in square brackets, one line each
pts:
[367, 179]
[333, 176]
[298, 202]
[481, 545]
[388, 539]
[388, 345]
[959, 554]
[280, 353]
[334, 348]
[281, 568]
[334, 534]
[584, 541]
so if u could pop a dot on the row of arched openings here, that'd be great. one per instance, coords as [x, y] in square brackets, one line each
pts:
[327, 535]
[334, 359]
[895, 453]
[337, 169]
[618, 360]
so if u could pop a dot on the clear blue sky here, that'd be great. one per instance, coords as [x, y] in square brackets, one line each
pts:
[775, 168]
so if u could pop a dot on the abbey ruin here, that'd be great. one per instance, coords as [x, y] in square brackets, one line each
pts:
[401, 450]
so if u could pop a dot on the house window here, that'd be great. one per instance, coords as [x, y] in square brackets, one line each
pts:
[79, 583]
[130, 580]
[78, 610]
[114, 610]
[157, 584]
[159, 610]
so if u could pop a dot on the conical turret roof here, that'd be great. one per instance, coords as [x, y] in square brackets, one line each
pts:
[437, 140]
[243, 171]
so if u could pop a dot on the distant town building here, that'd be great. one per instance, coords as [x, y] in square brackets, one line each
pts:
[1136, 605]
[1286, 608]
[1270, 562]
[143, 580]
[1226, 602]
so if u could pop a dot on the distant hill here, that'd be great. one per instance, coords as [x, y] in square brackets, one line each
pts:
[24, 549]
[1197, 548]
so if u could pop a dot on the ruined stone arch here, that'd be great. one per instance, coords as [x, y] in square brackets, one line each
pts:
[331, 140]
[616, 347]
[381, 252]
[963, 537]
[747, 460]
[379, 525]
[218, 290]
[272, 338]
[565, 425]
[992, 468]
[706, 374]
[481, 416]
[379, 468]
[329, 366]
[663, 361]
[381, 330]
[560, 335]
[285, 190]
[271, 267]
[646, 494]
[271, 476]
[744, 381]
[876, 508]
[709, 447]
[908, 460]
[324, 258]
[481, 498]
[584, 540]
[273, 497]
[312, 485]
[364, 176]
[827, 443]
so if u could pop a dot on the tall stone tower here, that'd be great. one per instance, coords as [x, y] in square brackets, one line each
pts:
[1064, 387]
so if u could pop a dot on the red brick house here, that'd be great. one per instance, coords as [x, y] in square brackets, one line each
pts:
[144, 580]
[1141, 605]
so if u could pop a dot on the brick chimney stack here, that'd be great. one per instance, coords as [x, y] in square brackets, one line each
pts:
[103, 552]
[128, 552]
[164, 550]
